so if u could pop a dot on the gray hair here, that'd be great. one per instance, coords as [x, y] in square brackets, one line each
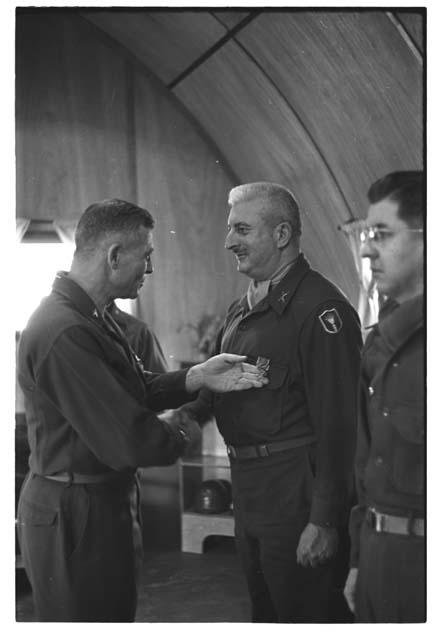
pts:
[284, 205]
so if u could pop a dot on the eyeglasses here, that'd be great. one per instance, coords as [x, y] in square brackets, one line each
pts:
[377, 235]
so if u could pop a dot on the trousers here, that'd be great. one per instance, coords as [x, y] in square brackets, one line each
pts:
[272, 499]
[391, 582]
[77, 547]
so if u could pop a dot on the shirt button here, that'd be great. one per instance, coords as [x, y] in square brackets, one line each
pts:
[386, 412]
[379, 461]
[371, 391]
[395, 364]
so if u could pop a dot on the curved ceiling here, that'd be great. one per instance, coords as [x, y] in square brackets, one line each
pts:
[323, 101]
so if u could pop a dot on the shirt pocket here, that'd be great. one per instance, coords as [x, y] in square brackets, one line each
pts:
[408, 464]
[260, 410]
[36, 515]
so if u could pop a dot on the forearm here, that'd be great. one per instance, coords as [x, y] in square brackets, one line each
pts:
[194, 379]
[200, 409]
[109, 420]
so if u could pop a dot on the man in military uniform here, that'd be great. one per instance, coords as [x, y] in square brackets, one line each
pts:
[291, 444]
[386, 582]
[90, 410]
[141, 338]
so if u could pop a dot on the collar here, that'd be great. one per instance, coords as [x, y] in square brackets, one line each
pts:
[68, 288]
[281, 295]
[399, 321]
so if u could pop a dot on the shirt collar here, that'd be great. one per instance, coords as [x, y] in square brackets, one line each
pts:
[399, 321]
[280, 296]
[68, 288]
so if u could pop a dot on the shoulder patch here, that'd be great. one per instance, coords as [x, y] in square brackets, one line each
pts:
[331, 321]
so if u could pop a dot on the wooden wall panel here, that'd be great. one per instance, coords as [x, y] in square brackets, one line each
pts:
[413, 24]
[185, 186]
[230, 18]
[166, 42]
[257, 130]
[354, 84]
[71, 118]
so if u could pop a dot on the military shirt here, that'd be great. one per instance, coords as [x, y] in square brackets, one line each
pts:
[89, 407]
[142, 339]
[390, 459]
[307, 335]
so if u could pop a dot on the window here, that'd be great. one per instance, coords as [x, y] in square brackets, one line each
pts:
[35, 269]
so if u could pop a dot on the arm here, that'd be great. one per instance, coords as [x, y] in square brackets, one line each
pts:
[330, 365]
[80, 380]
[362, 453]
[201, 409]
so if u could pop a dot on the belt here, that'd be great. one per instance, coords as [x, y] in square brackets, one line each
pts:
[386, 523]
[80, 478]
[264, 450]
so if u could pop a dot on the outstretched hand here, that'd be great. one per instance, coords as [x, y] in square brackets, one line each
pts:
[225, 372]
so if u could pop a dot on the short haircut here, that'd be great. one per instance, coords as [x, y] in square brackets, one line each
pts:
[108, 217]
[284, 205]
[407, 189]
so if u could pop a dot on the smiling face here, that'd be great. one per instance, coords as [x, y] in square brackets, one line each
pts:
[397, 257]
[133, 263]
[252, 240]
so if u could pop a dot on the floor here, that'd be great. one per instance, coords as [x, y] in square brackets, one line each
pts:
[206, 587]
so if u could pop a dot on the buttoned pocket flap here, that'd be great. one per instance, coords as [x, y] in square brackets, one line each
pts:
[276, 376]
[37, 515]
[409, 422]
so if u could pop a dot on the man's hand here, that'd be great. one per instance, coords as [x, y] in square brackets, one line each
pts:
[316, 545]
[350, 588]
[181, 424]
[225, 372]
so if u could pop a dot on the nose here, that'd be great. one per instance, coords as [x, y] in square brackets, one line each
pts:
[149, 266]
[229, 242]
[367, 249]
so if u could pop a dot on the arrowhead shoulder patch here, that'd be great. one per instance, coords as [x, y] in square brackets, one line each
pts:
[331, 321]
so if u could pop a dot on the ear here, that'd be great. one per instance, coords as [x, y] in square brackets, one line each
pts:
[282, 234]
[113, 255]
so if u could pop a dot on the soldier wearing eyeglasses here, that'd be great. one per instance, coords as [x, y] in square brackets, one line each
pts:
[386, 582]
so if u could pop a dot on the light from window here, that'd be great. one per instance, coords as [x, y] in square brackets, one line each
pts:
[35, 269]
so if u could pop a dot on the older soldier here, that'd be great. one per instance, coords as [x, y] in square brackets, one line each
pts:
[90, 410]
[291, 445]
[387, 580]
[142, 339]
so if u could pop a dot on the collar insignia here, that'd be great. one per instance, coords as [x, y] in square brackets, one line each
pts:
[282, 297]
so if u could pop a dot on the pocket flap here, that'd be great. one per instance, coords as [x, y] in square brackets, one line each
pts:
[276, 376]
[37, 515]
[409, 422]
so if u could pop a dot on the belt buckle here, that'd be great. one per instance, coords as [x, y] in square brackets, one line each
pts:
[262, 450]
[411, 526]
[231, 451]
[375, 520]
[379, 521]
